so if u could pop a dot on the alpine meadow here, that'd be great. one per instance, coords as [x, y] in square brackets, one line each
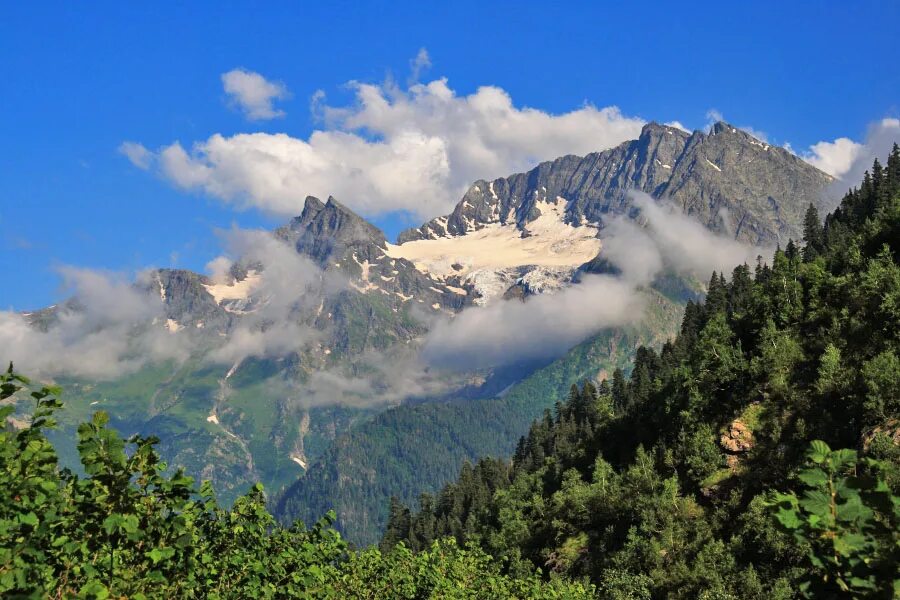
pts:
[288, 315]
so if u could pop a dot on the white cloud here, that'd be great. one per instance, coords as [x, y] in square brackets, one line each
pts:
[543, 326]
[413, 150]
[253, 94]
[113, 327]
[847, 160]
[137, 154]
[107, 334]
[288, 283]
[678, 125]
[835, 158]
[682, 243]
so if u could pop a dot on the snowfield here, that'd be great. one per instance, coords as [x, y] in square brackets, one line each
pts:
[492, 257]
[234, 290]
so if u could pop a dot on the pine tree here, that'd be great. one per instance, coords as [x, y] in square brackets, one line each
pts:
[893, 168]
[716, 298]
[813, 234]
[398, 525]
[619, 391]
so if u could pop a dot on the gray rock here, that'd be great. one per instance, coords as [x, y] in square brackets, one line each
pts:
[727, 179]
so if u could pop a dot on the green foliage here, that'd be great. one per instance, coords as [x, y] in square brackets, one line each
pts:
[127, 529]
[444, 570]
[851, 522]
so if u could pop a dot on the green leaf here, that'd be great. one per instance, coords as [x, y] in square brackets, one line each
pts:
[852, 511]
[159, 554]
[849, 543]
[817, 503]
[94, 590]
[28, 519]
[788, 518]
[813, 477]
[818, 451]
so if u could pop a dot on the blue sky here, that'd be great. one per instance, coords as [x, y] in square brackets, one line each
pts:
[79, 80]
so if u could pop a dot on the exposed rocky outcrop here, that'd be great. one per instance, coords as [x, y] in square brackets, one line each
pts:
[737, 438]
[727, 179]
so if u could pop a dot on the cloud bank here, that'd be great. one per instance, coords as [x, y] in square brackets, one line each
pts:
[847, 160]
[105, 332]
[414, 150]
[113, 325]
[288, 282]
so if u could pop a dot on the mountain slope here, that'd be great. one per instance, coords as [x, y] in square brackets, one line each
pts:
[661, 486]
[412, 449]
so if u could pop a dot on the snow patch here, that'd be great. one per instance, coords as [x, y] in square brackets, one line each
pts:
[713, 165]
[364, 277]
[232, 370]
[490, 283]
[545, 279]
[162, 288]
[172, 325]
[235, 290]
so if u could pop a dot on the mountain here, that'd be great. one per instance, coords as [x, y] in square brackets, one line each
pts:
[351, 315]
[727, 179]
[684, 480]
[533, 230]
[244, 419]
[504, 237]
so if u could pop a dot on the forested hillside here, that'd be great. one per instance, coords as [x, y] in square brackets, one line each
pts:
[663, 484]
[417, 448]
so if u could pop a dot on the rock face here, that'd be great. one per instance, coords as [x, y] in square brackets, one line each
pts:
[738, 438]
[337, 239]
[727, 179]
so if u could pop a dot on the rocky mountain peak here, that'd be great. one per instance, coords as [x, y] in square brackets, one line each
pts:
[323, 231]
[729, 180]
[657, 130]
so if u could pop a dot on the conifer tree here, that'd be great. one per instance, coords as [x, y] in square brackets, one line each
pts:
[813, 234]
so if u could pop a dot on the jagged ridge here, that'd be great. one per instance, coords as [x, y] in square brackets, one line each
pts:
[727, 179]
